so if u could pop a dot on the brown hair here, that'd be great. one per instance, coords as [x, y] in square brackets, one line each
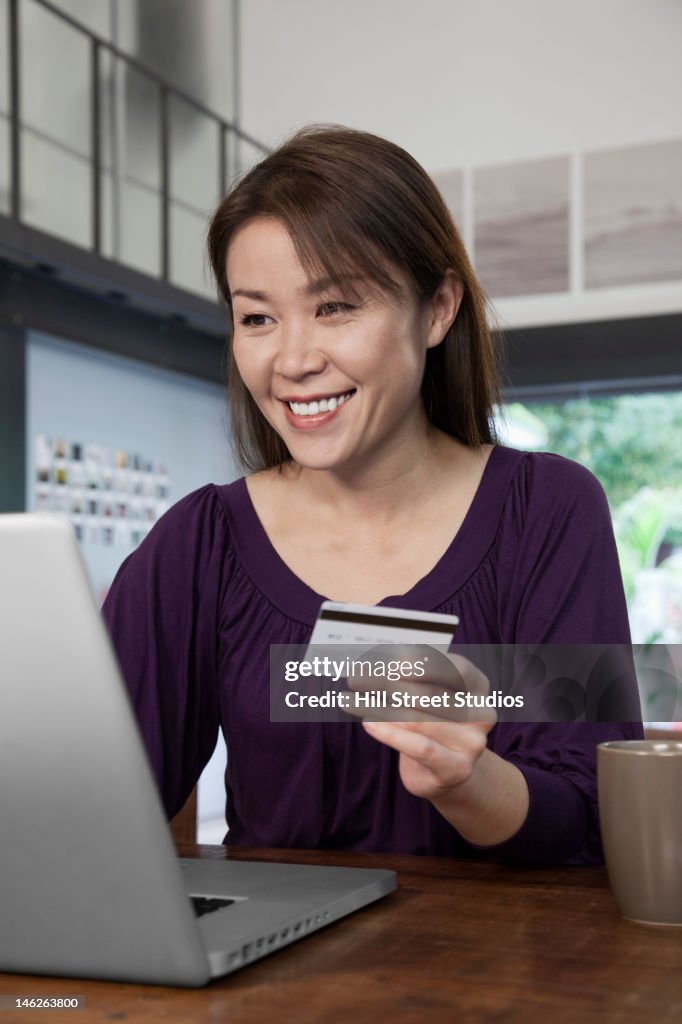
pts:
[354, 203]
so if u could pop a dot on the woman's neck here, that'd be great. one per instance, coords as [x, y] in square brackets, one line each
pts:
[386, 488]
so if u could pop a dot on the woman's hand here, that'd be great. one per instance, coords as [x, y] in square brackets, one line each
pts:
[443, 755]
[439, 747]
[435, 757]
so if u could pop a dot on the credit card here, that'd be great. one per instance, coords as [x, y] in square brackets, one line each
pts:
[340, 624]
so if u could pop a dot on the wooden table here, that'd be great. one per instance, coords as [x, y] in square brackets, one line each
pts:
[460, 941]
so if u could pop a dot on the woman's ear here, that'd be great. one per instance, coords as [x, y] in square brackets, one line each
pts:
[443, 307]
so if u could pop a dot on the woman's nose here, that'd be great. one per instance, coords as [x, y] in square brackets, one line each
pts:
[297, 354]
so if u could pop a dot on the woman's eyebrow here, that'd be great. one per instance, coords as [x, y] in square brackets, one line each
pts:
[249, 293]
[316, 287]
[323, 284]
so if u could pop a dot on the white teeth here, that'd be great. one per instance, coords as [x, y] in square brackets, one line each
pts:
[323, 405]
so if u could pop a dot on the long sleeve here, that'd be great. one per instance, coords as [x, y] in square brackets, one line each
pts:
[561, 585]
[162, 612]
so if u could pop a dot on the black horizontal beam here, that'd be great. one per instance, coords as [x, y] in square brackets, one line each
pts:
[604, 355]
[28, 247]
[31, 299]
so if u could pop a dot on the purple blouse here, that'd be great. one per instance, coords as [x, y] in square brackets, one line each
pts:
[193, 611]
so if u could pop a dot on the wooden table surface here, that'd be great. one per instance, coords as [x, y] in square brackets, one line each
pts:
[460, 941]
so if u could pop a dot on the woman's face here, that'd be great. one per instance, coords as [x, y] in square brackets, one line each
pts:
[336, 371]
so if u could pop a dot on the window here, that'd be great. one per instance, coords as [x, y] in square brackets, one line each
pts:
[633, 445]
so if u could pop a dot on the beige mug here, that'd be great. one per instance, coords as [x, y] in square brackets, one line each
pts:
[640, 806]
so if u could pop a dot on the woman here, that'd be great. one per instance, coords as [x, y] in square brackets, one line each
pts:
[362, 385]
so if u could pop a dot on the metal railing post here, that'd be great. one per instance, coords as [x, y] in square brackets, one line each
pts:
[15, 108]
[96, 147]
[165, 183]
[223, 161]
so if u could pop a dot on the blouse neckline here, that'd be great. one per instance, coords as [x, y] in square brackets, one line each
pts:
[466, 551]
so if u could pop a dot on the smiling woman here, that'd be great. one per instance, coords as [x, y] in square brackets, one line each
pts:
[360, 212]
[362, 385]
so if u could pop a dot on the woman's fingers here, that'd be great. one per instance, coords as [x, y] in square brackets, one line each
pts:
[447, 752]
[425, 735]
[452, 689]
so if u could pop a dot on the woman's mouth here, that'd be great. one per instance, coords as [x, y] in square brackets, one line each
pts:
[318, 411]
[320, 405]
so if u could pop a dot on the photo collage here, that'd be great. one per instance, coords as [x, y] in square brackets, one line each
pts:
[112, 497]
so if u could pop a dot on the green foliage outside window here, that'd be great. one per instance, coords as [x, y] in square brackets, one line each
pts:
[627, 441]
[633, 445]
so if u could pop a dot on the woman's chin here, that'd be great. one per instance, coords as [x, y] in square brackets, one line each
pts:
[316, 456]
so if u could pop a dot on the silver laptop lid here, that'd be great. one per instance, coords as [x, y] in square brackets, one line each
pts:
[88, 886]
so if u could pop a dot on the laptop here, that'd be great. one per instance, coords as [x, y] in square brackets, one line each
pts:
[90, 884]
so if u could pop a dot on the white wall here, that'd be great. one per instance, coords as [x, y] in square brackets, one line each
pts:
[460, 82]
[469, 83]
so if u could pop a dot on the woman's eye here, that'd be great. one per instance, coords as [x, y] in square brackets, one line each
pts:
[254, 320]
[334, 308]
